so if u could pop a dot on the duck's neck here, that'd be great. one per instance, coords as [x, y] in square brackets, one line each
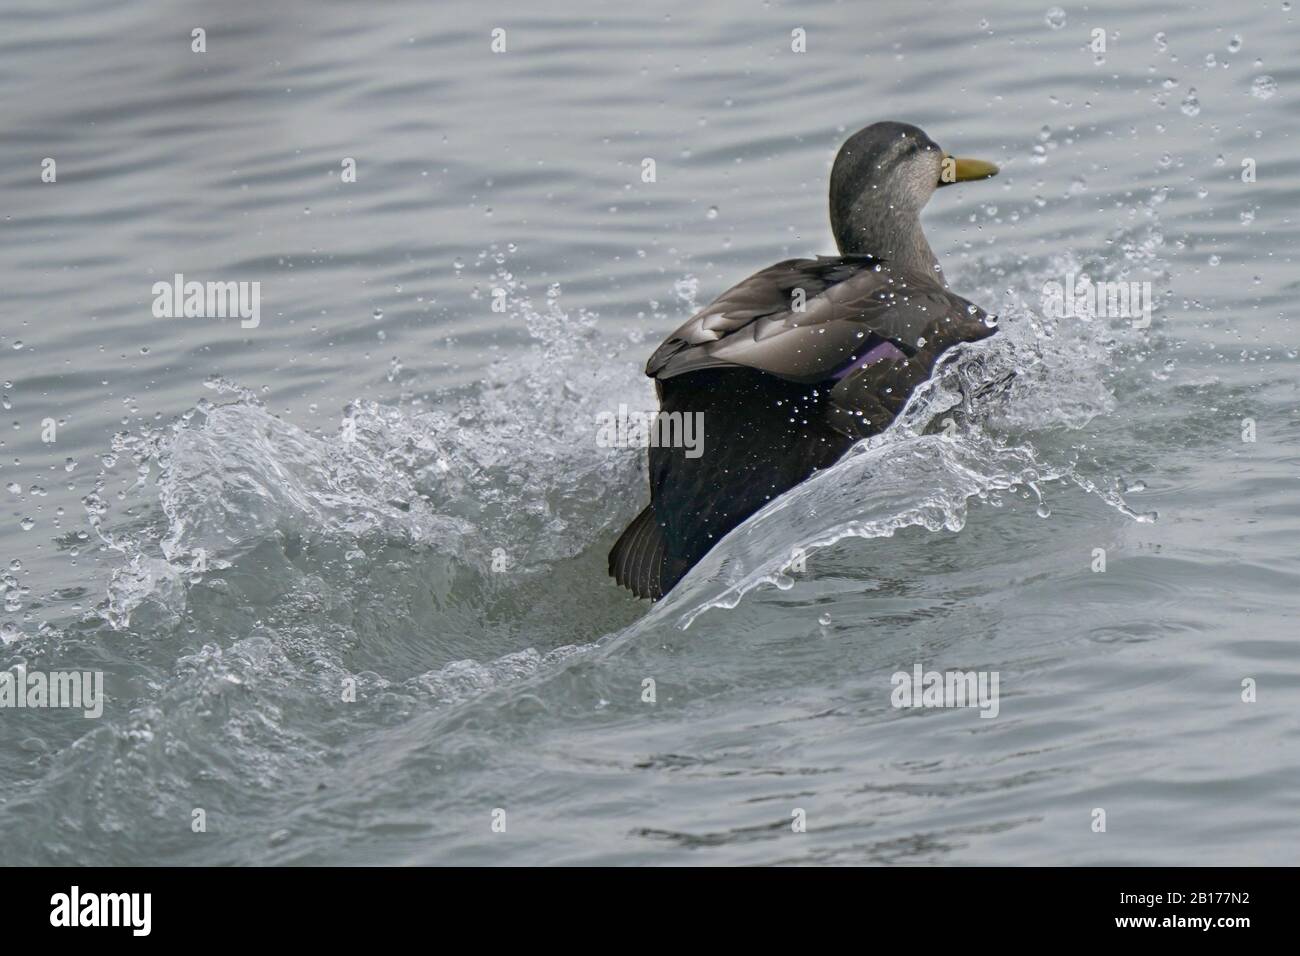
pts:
[892, 234]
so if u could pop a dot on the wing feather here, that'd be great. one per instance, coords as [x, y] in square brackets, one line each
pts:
[805, 320]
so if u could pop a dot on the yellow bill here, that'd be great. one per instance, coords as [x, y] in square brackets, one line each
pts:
[955, 169]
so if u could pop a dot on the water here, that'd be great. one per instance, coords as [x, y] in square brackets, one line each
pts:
[386, 485]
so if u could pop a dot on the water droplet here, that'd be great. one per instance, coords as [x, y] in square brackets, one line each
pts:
[1263, 87]
[1191, 105]
[1235, 43]
[824, 620]
[712, 213]
[27, 524]
[1055, 18]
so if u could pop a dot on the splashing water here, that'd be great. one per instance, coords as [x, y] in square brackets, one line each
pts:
[512, 473]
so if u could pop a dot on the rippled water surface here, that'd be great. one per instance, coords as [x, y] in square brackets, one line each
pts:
[389, 485]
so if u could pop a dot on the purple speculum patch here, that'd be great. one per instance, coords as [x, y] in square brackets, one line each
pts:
[879, 352]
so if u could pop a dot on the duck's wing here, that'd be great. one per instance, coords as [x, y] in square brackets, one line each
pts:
[810, 320]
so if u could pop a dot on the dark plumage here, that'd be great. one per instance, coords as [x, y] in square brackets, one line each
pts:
[798, 362]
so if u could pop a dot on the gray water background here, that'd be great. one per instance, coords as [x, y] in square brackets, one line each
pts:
[185, 444]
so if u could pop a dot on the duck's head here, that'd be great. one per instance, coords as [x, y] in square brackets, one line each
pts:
[883, 176]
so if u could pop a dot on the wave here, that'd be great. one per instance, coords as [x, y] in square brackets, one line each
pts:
[508, 475]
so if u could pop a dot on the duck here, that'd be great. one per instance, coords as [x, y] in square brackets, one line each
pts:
[790, 368]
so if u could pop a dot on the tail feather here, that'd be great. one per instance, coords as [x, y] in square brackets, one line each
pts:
[636, 561]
